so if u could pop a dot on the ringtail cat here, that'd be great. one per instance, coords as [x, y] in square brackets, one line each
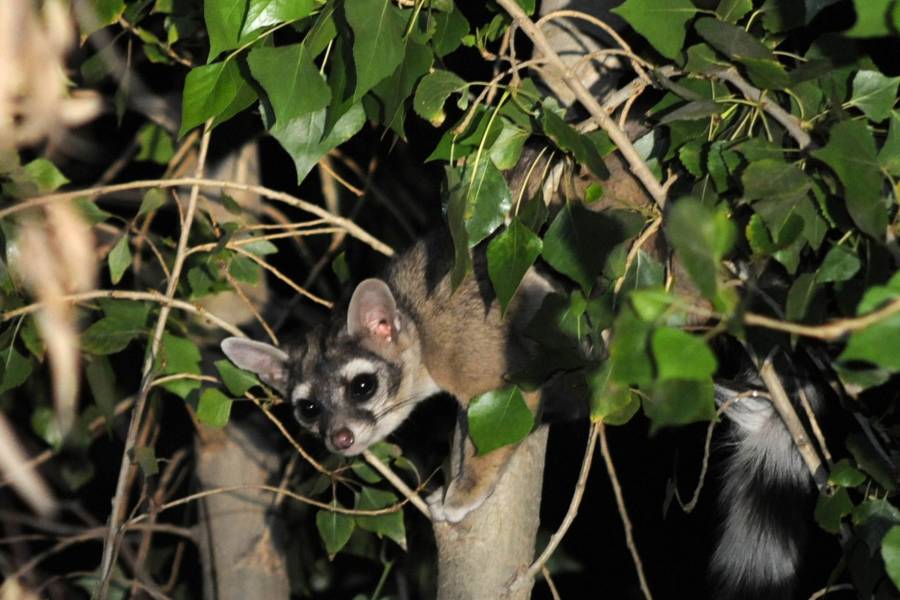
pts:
[402, 339]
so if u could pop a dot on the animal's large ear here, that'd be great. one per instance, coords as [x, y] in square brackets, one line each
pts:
[267, 361]
[373, 311]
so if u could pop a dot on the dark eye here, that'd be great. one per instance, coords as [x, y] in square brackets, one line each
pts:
[363, 386]
[308, 409]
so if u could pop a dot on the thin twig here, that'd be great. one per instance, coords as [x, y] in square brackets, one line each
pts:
[783, 406]
[584, 96]
[832, 588]
[553, 591]
[284, 278]
[814, 425]
[152, 296]
[249, 304]
[397, 506]
[830, 332]
[300, 449]
[398, 483]
[704, 466]
[555, 539]
[793, 125]
[351, 227]
[120, 498]
[623, 512]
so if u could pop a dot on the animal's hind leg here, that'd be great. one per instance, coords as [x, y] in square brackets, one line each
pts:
[477, 476]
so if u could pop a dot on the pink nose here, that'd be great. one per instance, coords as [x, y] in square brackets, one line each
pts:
[342, 438]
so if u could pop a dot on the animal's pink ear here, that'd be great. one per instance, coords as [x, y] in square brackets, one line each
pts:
[373, 311]
[267, 361]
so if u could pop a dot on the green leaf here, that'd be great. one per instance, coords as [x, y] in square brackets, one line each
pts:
[377, 41]
[145, 457]
[507, 148]
[650, 303]
[45, 424]
[32, 338]
[499, 418]
[739, 45]
[732, 41]
[44, 175]
[450, 27]
[701, 237]
[611, 402]
[770, 179]
[569, 139]
[483, 197]
[432, 93]
[214, 408]
[846, 476]
[559, 322]
[119, 259]
[509, 256]
[889, 156]
[180, 355]
[802, 291]
[692, 111]
[579, 241]
[102, 382]
[628, 350]
[890, 553]
[263, 13]
[851, 154]
[396, 89]
[680, 355]
[388, 524]
[307, 142]
[91, 212]
[661, 22]
[733, 10]
[245, 270]
[217, 90]
[153, 199]
[155, 144]
[840, 264]
[335, 529]
[236, 380]
[124, 321]
[874, 94]
[106, 12]
[878, 344]
[873, 19]
[341, 268]
[679, 402]
[294, 91]
[830, 509]
[224, 22]
[16, 369]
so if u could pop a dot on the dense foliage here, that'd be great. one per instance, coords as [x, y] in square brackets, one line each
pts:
[771, 129]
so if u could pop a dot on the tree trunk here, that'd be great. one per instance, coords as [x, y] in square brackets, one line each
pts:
[241, 558]
[480, 556]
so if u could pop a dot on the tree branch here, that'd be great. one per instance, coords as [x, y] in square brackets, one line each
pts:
[346, 224]
[623, 512]
[793, 125]
[555, 539]
[584, 96]
[120, 498]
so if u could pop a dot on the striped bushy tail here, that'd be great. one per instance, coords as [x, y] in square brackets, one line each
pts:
[763, 501]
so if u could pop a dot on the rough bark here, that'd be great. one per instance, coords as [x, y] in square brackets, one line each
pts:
[480, 556]
[241, 557]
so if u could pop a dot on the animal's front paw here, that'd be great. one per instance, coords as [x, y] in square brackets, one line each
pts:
[460, 499]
